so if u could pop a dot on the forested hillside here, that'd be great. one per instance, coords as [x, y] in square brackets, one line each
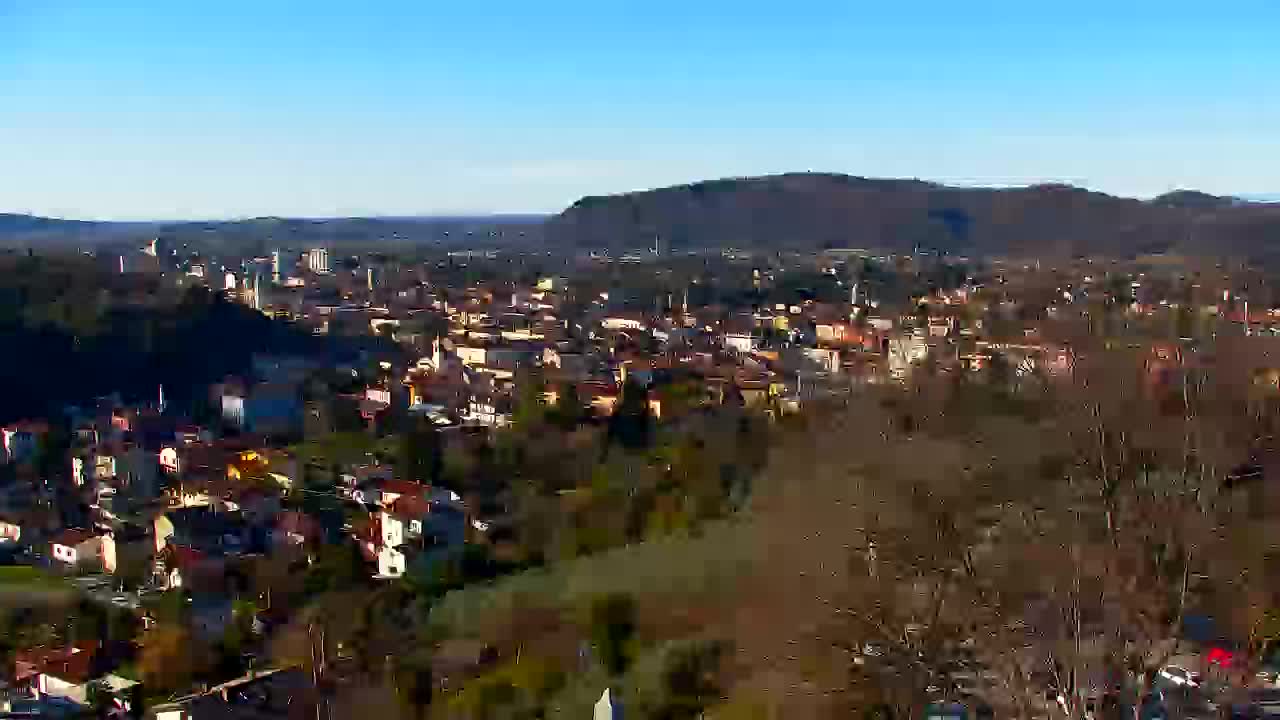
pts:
[813, 211]
[72, 331]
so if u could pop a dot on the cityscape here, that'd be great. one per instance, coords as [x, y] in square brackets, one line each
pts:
[752, 443]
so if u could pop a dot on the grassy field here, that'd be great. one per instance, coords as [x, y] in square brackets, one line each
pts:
[21, 580]
[678, 565]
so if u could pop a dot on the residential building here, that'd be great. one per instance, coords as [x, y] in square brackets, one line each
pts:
[623, 322]
[10, 531]
[80, 470]
[274, 408]
[837, 333]
[489, 410]
[84, 550]
[424, 523]
[906, 351]
[741, 343]
[170, 460]
[179, 566]
[202, 528]
[318, 261]
[71, 676]
[21, 440]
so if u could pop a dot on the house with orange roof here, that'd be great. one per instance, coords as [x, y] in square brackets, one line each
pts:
[68, 675]
[418, 524]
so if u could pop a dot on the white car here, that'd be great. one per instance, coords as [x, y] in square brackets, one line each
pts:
[1176, 675]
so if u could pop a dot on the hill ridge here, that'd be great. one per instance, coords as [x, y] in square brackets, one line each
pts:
[813, 210]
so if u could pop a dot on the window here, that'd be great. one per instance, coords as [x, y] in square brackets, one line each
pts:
[415, 526]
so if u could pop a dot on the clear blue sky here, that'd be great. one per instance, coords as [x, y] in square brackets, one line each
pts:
[131, 109]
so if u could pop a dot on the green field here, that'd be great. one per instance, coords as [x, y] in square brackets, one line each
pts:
[24, 579]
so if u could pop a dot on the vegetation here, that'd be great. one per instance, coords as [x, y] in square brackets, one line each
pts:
[76, 331]
[996, 535]
[813, 211]
[23, 578]
[1002, 536]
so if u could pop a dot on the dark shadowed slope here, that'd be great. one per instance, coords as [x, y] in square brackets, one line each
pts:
[810, 211]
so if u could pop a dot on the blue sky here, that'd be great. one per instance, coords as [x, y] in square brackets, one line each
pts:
[124, 109]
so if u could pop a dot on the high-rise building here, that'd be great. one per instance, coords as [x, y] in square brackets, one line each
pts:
[318, 260]
[275, 266]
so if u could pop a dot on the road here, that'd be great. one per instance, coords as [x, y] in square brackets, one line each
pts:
[103, 589]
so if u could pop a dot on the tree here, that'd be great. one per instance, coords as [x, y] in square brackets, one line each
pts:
[920, 542]
[337, 567]
[172, 659]
[612, 621]
[631, 422]
[421, 457]
[530, 412]
[133, 564]
[680, 680]
[568, 411]
[53, 453]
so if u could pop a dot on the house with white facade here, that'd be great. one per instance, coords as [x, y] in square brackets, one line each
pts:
[10, 531]
[170, 460]
[430, 520]
[741, 343]
[84, 550]
[623, 322]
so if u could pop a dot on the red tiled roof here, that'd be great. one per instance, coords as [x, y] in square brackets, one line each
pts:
[32, 426]
[73, 664]
[404, 487]
[409, 506]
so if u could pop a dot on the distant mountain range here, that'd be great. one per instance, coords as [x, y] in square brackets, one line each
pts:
[798, 211]
[810, 211]
[31, 231]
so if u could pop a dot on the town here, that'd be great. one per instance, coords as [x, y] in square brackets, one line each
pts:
[445, 418]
